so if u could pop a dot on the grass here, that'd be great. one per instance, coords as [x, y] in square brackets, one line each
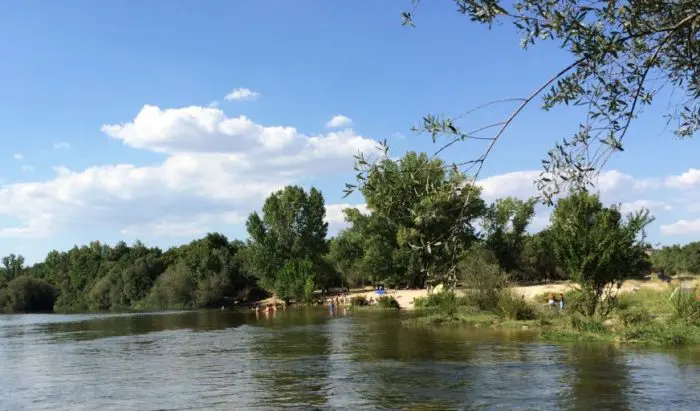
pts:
[646, 317]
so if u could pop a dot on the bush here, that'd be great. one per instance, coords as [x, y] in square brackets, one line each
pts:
[685, 307]
[174, 289]
[483, 281]
[514, 307]
[29, 294]
[635, 316]
[583, 323]
[445, 302]
[388, 302]
[359, 301]
[309, 288]
[667, 334]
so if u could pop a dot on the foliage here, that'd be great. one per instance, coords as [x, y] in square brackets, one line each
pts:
[677, 259]
[433, 220]
[367, 251]
[512, 306]
[27, 294]
[445, 302]
[482, 278]
[505, 222]
[623, 54]
[686, 307]
[387, 301]
[595, 246]
[359, 301]
[292, 229]
[295, 279]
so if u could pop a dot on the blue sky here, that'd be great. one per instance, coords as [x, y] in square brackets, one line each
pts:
[116, 125]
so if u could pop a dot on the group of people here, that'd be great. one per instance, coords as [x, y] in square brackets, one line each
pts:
[268, 309]
[553, 300]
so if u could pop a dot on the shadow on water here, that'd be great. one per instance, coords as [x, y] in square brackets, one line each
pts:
[308, 359]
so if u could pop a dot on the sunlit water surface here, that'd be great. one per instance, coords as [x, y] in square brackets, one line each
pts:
[308, 359]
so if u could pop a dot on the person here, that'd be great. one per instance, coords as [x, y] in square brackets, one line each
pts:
[561, 301]
[550, 297]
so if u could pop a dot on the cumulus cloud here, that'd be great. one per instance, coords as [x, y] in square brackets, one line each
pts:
[336, 218]
[682, 227]
[216, 168]
[61, 145]
[520, 184]
[686, 180]
[241, 94]
[18, 157]
[337, 121]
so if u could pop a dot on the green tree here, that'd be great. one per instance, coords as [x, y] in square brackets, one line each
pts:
[292, 228]
[416, 194]
[623, 54]
[505, 225]
[12, 266]
[27, 294]
[539, 262]
[596, 246]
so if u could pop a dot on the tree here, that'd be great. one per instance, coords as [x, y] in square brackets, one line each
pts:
[292, 229]
[417, 195]
[27, 294]
[12, 266]
[505, 225]
[596, 246]
[623, 54]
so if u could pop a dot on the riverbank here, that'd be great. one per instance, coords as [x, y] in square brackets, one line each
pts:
[406, 298]
[647, 312]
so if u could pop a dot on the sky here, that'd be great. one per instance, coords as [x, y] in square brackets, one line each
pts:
[165, 120]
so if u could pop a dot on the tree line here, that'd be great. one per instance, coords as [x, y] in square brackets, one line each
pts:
[401, 243]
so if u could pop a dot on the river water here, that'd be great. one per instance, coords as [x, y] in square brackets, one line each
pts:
[306, 359]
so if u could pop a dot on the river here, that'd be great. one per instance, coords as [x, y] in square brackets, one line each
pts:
[306, 359]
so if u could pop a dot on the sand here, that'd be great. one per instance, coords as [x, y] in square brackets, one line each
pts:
[406, 297]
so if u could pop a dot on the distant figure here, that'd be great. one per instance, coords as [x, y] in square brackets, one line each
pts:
[561, 301]
[550, 298]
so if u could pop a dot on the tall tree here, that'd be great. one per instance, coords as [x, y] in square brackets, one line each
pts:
[505, 224]
[596, 246]
[434, 221]
[292, 228]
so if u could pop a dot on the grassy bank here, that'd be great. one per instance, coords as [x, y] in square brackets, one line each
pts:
[648, 316]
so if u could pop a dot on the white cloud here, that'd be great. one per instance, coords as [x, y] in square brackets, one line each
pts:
[214, 103]
[18, 157]
[181, 227]
[61, 145]
[336, 218]
[685, 180]
[27, 168]
[650, 205]
[681, 227]
[338, 121]
[216, 169]
[241, 94]
[520, 184]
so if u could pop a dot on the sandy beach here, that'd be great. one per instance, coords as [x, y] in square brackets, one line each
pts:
[406, 297]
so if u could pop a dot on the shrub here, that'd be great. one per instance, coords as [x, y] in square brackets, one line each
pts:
[483, 282]
[388, 302]
[685, 307]
[359, 301]
[309, 288]
[173, 289]
[514, 307]
[635, 316]
[583, 323]
[445, 302]
[29, 294]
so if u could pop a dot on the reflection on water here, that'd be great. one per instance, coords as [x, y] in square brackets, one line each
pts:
[222, 360]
